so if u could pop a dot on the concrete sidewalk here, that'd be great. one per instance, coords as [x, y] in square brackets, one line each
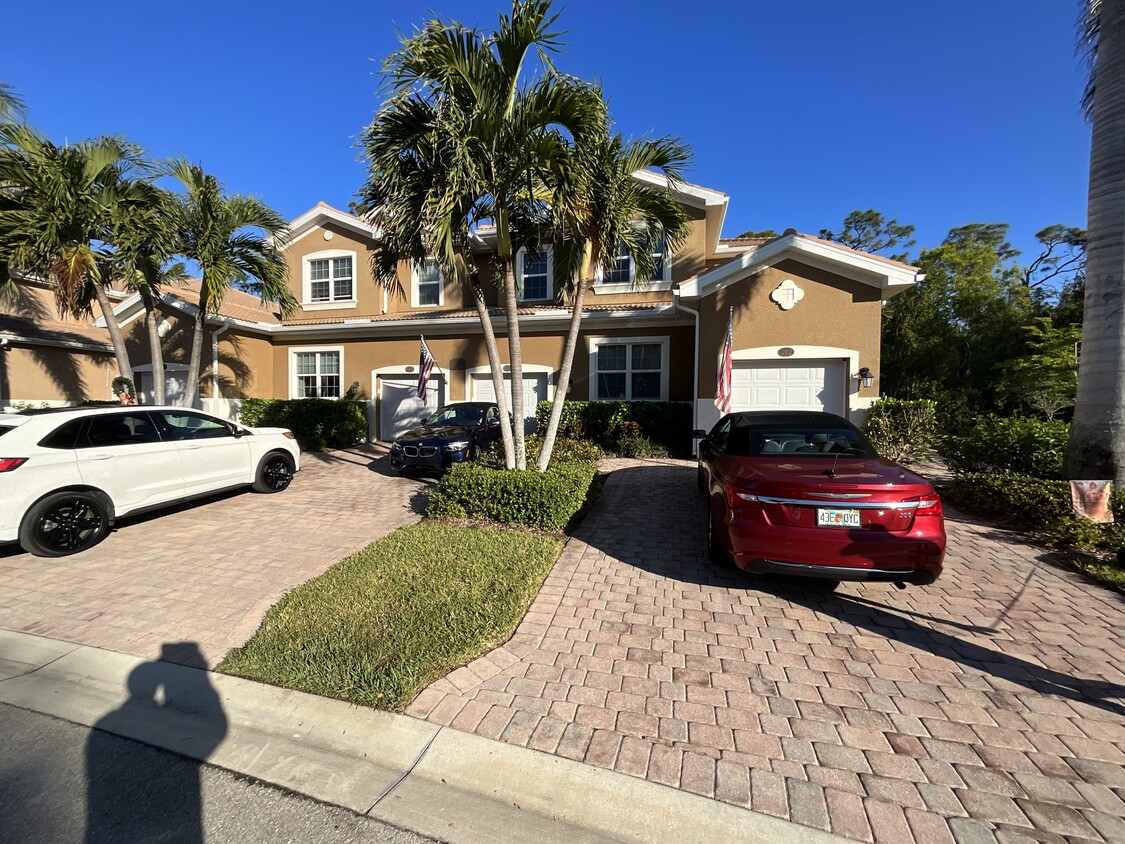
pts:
[424, 777]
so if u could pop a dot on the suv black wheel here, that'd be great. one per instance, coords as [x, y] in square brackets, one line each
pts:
[275, 472]
[65, 523]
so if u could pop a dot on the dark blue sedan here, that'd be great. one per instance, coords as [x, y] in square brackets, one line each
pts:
[453, 434]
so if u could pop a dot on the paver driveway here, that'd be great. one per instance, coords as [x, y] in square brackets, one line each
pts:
[989, 705]
[207, 572]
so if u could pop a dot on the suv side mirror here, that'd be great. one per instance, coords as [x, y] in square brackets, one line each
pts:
[237, 432]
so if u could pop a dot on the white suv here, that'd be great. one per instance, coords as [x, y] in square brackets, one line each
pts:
[67, 473]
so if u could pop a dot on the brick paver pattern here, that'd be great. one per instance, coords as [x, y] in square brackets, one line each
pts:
[206, 572]
[989, 706]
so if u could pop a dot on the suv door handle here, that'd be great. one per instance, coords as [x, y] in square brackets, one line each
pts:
[191, 446]
[102, 456]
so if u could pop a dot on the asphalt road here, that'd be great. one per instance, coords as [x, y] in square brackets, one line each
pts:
[61, 783]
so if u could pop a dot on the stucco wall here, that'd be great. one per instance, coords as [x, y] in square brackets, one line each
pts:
[43, 373]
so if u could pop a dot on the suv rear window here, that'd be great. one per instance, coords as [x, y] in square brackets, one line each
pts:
[64, 436]
[5, 428]
[749, 441]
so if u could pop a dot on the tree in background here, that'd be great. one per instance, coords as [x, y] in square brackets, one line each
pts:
[234, 239]
[1096, 449]
[870, 231]
[764, 234]
[1045, 378]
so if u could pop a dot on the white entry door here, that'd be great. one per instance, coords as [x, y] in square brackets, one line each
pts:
[400, 409]
[534, 391]
[789, 385]
[175, 385]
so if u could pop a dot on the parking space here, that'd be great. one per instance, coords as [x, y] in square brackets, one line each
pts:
[206, 572]
[989, 706]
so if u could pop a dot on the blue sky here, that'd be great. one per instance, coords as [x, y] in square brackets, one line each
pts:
[936, 113]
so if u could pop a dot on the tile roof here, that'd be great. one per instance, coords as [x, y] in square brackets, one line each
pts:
[67, 331]
[237, 304]
[757, 242]
[529, 310]
[744, 241]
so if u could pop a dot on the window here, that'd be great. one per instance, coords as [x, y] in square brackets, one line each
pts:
[629, 369]
[63, 437]
[120, 429]
[751, 441]
[428, 284]
[330, 279]
[194, 426]
[620, 270]
[535, 274]
[317, 375]
[658, 250]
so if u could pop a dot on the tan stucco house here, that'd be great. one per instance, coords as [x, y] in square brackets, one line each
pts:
[806, 319]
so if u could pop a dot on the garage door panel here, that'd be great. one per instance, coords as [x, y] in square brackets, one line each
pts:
[534, 391]
[400, 409]
[788, 385]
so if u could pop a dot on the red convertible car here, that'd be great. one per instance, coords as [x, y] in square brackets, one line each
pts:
[805, 493]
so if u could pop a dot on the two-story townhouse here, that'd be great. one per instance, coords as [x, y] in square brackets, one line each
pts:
[805, 316]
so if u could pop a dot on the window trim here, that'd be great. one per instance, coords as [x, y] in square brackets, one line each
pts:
[415, 283]
[294, 384]
[594, 343]
[520, 256]
[307, 304]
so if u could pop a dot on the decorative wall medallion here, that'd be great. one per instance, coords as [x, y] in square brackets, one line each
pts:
[328, 235]
[787, 294]
[785, 352]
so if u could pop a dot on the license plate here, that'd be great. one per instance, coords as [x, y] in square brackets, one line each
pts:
[837, 518]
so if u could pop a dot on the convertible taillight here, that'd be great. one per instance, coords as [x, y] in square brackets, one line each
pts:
[8, 464]
[738, 497]
[928, 505]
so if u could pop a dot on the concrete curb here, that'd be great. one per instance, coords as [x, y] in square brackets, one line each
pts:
[436, 781]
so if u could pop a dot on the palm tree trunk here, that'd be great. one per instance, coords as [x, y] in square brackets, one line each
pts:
[497, 377]
[191, 391]
[1096, 449]
[564, 377]
[515, 356]
[155, 350]
[124, 368]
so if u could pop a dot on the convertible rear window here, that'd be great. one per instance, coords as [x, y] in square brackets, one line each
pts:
[750, 441]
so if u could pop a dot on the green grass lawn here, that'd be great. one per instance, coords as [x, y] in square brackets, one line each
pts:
[382, 624]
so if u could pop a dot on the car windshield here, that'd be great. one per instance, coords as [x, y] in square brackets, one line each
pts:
[821, 441]
[468, 416]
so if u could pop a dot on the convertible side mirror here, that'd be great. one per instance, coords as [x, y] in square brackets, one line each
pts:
[698, 434]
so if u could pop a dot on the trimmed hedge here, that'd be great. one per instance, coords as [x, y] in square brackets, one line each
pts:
[547, 500]
[901, 429]
[1037, 504]
[625, 428]
[565, 451]
[317, 423]
[1021, 445]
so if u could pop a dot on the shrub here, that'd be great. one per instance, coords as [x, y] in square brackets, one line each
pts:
[547, 500]
[565, 451]
[628, 428]
[900, 429]
[1021, 445]
[1038, 504]
[317, 423]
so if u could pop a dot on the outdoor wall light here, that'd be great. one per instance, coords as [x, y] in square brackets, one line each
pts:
[866, 376]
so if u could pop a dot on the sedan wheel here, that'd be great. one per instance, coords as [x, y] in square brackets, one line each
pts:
[65, 523]
[275, 473]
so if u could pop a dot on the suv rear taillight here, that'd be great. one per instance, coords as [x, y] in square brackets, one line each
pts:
[928, 505]
[7, 464]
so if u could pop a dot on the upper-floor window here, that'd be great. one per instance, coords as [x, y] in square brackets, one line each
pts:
[429, 283]
[659, 255]
[622, 268]
[329, 279]
[534, 272]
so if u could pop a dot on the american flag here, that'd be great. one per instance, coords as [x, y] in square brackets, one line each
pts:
[425, 367]
[722, 391]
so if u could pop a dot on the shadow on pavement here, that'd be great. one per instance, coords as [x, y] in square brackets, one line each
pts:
[627, 529]
[130, 803]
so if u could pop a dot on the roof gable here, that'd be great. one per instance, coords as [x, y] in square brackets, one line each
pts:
[322, 213]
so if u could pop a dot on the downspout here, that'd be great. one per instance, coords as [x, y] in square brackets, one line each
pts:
[215, 364]
[695, 368]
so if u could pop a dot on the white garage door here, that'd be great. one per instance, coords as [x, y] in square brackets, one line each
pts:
[788, 385]
[534, 391]
[400, 409]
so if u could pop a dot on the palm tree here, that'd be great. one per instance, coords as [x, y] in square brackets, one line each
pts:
[499, 130]
[145, 239]
[56, 209]
[233, 239]
[598, 204]
[1097, 435]
[11, 106]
